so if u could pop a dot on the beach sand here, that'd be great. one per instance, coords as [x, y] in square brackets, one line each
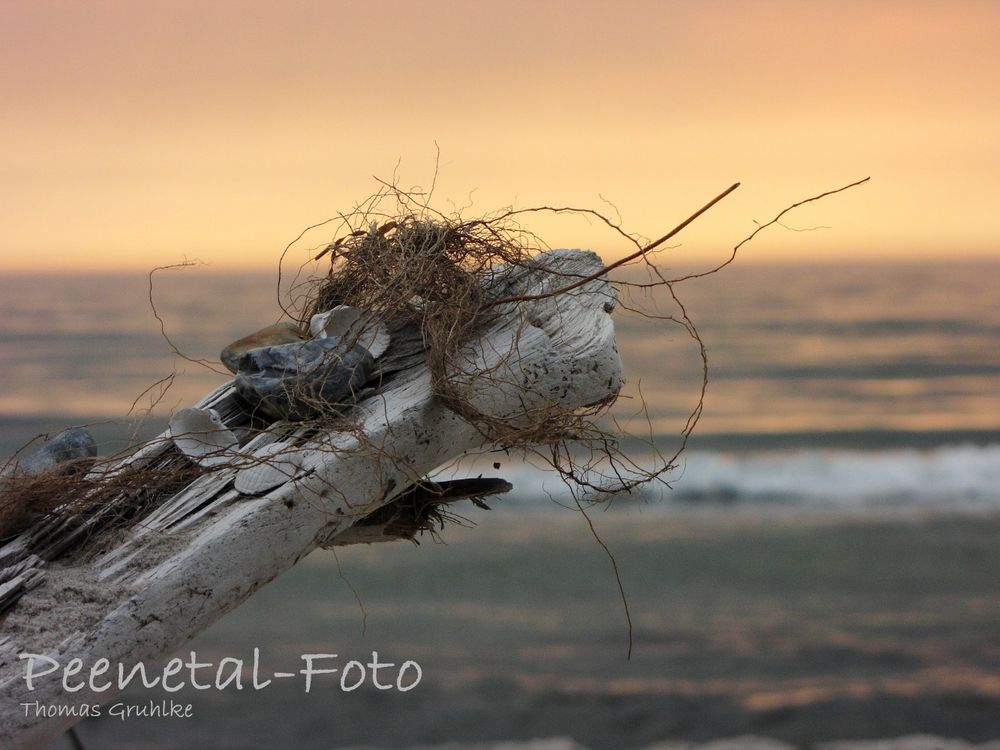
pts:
[805, 626]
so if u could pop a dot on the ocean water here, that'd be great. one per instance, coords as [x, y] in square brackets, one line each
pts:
[827, 383]
[821, 566]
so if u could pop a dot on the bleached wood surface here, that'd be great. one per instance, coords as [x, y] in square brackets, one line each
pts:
[206, 549]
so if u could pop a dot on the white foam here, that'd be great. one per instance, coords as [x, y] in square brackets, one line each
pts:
[945, 476]
[942, 475]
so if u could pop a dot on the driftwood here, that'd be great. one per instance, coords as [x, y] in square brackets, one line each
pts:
[205, 549]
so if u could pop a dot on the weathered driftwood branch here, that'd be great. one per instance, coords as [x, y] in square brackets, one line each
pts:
[210, 546]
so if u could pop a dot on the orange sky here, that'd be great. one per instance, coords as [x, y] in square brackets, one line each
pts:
[141, 133]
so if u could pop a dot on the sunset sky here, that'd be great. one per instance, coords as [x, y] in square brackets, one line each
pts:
[137, 134]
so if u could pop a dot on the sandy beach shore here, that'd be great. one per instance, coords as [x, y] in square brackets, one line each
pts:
[749, 742]
[806, 626]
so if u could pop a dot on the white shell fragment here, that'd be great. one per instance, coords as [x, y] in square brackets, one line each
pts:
[268, 467]
[201, 436]
[349, 323]
[335, 322]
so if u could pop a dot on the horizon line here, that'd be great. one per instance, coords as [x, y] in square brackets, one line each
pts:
[742, 259]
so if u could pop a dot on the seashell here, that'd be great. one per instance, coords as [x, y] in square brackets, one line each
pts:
[352, 325]
[334, 323]
[71, 450]
[268, 467]
[201, 436]
[299, 381]
[279, 333]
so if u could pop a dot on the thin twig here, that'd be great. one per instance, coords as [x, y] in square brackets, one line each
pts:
[614, 565]
[762, 227]
[163, 326]
[627, 259]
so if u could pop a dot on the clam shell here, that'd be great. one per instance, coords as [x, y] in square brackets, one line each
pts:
[201, 436]
[279, 333]
[268, 467]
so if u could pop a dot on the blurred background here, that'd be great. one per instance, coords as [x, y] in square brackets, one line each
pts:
[823, 565]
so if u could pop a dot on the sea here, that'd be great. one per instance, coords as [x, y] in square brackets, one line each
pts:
[821, 563]
[826, 383]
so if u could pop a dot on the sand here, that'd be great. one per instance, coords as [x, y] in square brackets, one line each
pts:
[807, 627]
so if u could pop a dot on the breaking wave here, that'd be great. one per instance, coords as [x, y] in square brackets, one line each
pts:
[947, 476]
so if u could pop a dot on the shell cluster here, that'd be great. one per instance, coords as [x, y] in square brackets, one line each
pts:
[287, 374]
[280, 333]
[283, 372]
[202, 436]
